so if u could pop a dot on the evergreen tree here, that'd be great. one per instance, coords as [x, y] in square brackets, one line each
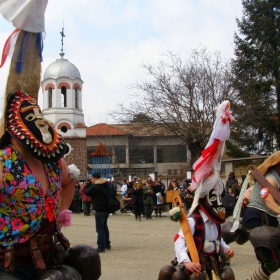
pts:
[256, 70]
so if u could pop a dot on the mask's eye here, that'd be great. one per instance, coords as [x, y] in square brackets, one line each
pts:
[30, 117]
[213, 198]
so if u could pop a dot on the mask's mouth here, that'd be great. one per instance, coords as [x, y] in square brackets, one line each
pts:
[221, 214]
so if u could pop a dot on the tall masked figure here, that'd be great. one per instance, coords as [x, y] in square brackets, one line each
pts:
[260, 219]
[205, 217]
[36, 185]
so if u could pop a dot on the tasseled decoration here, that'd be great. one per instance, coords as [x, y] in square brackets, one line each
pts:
[24, 48]
[65, 218]
[175, 214]
[9, 46]
[50, 209]
[264, 192]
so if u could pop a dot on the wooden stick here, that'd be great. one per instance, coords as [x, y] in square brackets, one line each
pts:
[186, 230]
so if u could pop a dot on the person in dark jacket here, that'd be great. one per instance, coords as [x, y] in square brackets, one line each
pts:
[77, 199]
[137, 199]
[186, 195]
[148, 200]
[229, 202]
[99, 191]
[113, 190]
[158, 198]
[231, 180]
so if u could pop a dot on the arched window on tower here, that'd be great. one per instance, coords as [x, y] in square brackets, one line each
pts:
[50, 97]
[63, 97]
[76, 98]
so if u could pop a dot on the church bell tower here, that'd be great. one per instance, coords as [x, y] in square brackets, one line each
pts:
[62, 105]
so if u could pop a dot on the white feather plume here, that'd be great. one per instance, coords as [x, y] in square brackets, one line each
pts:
[74, 171]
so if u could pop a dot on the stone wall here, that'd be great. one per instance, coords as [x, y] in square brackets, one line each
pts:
[78, 155]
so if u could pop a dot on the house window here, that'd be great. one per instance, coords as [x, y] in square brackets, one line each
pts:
[120, 154]
[63, 97]
[169, 154]
[50, 97]
[141, 154]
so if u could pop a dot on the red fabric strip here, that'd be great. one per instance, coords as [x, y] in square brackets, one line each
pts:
[7, 47]
[49, 209]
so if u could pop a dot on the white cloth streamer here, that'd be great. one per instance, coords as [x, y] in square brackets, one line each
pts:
[27, 15]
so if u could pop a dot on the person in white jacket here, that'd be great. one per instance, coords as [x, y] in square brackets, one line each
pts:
[204, 219]
[207, 212]
[124, 188]
[212, 243]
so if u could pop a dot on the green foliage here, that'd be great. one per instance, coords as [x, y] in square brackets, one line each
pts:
[141, 118]
[233, 151]
[256, 70]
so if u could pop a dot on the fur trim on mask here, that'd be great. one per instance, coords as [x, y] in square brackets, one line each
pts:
[74, 171]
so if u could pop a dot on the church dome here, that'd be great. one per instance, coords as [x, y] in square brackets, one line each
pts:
[61, 68]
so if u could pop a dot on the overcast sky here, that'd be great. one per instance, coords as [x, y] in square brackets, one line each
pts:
[108, 40]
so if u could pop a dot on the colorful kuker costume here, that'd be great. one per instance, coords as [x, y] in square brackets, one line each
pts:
[22, 204]
[205, 225]
[260, 218]
[31, 211]
[26, 237]
[22, 209]
[206, 214]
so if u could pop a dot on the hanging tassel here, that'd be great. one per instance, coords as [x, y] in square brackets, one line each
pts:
[21, 53]
[9, 46]
[25, 68]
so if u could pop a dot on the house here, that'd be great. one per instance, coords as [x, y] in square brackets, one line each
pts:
[138, 150]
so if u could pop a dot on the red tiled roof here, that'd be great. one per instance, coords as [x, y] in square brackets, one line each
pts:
[145, 129]
[103, 129]
[136, 129]
[101, 151]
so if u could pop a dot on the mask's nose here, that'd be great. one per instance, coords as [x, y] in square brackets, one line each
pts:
[42, 122]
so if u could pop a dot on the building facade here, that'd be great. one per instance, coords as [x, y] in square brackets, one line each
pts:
[136, 151]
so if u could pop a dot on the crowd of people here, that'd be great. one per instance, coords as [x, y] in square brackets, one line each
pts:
[146, 197]
[231, 193]
[143, 198]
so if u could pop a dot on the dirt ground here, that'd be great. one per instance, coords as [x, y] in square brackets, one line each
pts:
[140, 249]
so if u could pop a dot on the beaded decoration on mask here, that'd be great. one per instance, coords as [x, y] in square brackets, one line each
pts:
[26, 123]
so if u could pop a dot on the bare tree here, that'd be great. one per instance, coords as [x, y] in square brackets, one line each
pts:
[181, 96]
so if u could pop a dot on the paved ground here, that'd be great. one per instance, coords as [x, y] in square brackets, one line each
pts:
[140, 249]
